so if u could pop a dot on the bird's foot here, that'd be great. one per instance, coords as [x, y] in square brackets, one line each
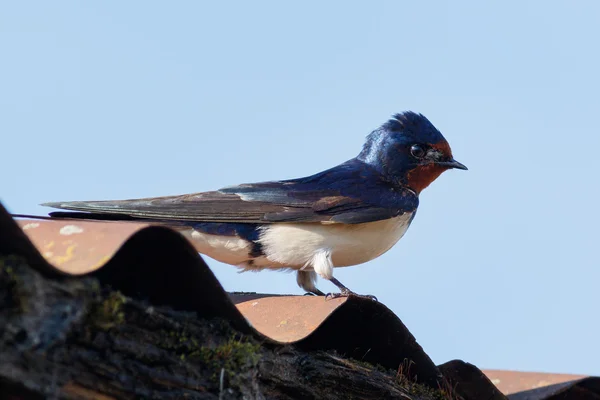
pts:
[347, 293]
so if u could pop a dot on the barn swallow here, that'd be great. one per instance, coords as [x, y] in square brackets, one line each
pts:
[346, 215]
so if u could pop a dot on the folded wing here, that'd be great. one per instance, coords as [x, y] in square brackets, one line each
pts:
[336, 196]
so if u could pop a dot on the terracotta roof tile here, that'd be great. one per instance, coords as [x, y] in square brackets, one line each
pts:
[157, 263]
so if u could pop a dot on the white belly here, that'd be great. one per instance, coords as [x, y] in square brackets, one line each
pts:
[228, 249]
[307, 246]
[295, 245]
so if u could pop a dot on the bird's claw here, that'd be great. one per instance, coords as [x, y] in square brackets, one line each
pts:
[368, 297]
[348, 293]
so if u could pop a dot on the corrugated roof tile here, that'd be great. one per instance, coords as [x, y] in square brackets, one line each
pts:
[155, 262]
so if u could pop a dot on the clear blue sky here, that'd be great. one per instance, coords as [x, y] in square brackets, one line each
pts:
[113, 99]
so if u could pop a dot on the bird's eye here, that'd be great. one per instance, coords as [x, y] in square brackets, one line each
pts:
[417, 151]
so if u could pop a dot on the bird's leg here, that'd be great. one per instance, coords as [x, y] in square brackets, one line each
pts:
[306, 280]
[345, 292]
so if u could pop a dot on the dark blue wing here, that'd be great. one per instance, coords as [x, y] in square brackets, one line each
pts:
[350, 193]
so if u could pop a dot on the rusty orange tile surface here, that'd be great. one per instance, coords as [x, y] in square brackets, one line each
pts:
[287, 318]
[77, 247]
[514, 381]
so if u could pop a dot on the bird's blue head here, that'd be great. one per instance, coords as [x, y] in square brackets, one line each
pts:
[409, 150]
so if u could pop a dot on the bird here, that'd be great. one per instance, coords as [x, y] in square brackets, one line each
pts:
[346, 215]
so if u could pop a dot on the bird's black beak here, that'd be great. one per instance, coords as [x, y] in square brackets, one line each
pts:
[452, 164]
